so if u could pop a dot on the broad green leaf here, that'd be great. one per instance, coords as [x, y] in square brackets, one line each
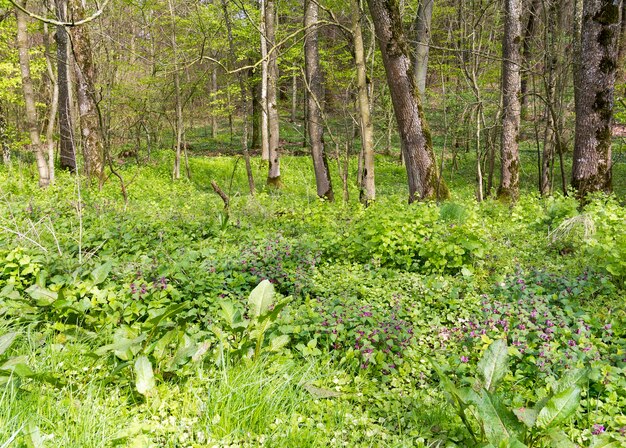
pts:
[6, 340]
[559, 408]
[101, 272]
[605, 441]
[319, 392]
[161, 346]
[279, 342]
[41, 296]
[33, 438]
[261, 298]
[558, 439]
[168, 312]
[120, 346]
[515, 443]
[144, 377]
[569, 379]
[447, 384]
[493, 364]
[528, 416]
[230, 314]
[499, 423]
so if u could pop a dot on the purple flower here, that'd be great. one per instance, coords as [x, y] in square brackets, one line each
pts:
[597, 429]
[464, 359]
[571, 343]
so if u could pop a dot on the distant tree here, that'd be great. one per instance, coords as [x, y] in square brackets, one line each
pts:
[423, 22]
[594, 95]
[511, 107]
[417, 149]
[273, 177]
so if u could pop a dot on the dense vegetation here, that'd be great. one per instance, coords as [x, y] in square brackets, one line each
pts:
[134, 324]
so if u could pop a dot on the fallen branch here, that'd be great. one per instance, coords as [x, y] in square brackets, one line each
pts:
[221, 194]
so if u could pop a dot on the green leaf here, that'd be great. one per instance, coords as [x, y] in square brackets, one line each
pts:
[528, 416]
[558, 439]
[559, 408]
[447, 384]
[570, 378]
[120, 346]
[605, 441]
[170, 311]
[498, 422]
[493, 364]
[144, 377]
[6, 340]
[41, 296]
[101, 272]
[318, 392]
[279, 342]
[229, 313]
[261, 298]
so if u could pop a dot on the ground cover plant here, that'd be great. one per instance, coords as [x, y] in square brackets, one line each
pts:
[290, 321]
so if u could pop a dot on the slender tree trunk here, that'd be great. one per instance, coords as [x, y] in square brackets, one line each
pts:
[422, 26]
[594, 95]
[417, 149]
[366, 180]
[273, 176]
[509, 173]
[265, 136]
[54, 104]
[91, 133]
[214, 98]
[294, 95]
[29, 99]
[621, 56]
[179, 130]
[4, 139]
[315, 91]
[244, 101]
[255, 94]
[67, 150]
[529, 33]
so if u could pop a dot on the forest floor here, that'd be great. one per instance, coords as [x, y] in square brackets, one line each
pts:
[149, 323]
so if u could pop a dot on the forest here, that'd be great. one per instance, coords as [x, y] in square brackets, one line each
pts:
[310, 223]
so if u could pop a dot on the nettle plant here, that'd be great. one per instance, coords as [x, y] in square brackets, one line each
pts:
[482, 406]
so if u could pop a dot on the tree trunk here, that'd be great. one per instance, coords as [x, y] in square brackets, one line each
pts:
[366, 180]
[67, 150]
[294, 95]
[179, 130]
[4, 139]
[29, 99]
[594, 96]
[511, 60]
[91, 133]
[265, 137]
[422, 26]
[315, 91]
[529, 33]
[54, 103]
[417, 149]
[214, 98]
[273, 176]
[621, 56]
[255, 94]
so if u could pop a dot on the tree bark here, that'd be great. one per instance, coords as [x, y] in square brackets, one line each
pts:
[529, 33]
[54, 103]
[509, 173]
[273, 176]
[315, 91]
[621, 57]
[85, 70]
[4, 139]
[265, 137]
[67, 150]
[422, 26]
[594, 96]
[214, 98]
[417, 149]
[367, 179]
[29, 99]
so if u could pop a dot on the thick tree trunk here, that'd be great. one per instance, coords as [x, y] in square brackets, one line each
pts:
[417, 150]
[594, 96]
[91, 133]
[511, 60]
[273, 176]
[366, 179]
[422, 46]
[67, 150]
[314, 114]
[29, 99]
